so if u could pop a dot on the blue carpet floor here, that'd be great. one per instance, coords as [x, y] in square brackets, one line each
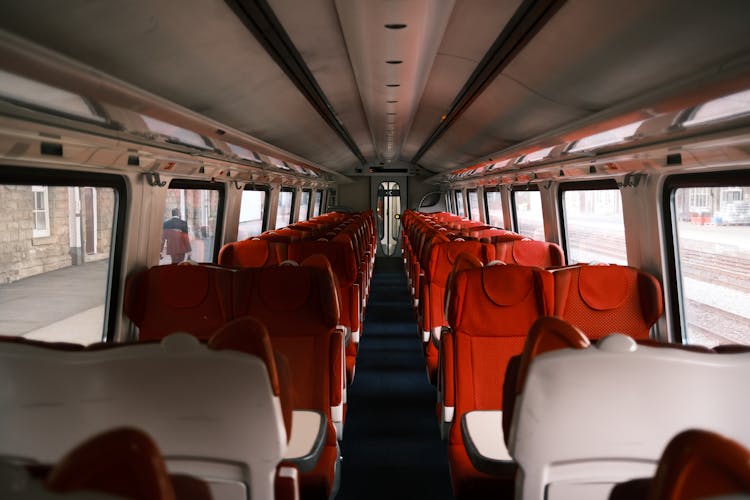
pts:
[392, 447]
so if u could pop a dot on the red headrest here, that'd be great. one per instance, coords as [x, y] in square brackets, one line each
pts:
[284, 288]
[537, 253]
[250, 253]
[123, 462]
[516, 285]
[181, 286]
[605, 287]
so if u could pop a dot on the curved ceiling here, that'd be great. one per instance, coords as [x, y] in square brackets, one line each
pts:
[475, 77]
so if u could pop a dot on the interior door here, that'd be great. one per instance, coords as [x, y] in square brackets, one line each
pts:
[388, 201]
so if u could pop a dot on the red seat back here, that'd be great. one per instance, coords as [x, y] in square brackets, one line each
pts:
[602, 299]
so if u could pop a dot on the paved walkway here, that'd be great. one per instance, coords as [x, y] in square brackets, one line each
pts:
[66, 304]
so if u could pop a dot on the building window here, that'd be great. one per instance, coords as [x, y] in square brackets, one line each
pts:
[40, 212]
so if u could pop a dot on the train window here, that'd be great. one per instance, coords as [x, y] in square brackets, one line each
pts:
[56, 248]
[32, 93]
[253, 210]
[459, 203]
[527, 209]
[711, 233]
[191, 222]
[304, 205]
[284, 210]
[473, 205]
[593, 223]
[493, 206]
[317, 203]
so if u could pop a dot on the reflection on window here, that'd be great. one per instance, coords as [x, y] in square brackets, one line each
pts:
[175, 133]
[473, 205]
[304, 206]
[284, 211]
[607, 138]
[252, 213]
[712, 248]
[595, 231]
[494, 208]
[460, 204]
[528, 206]
[190, 222]
[720, 109]
[27, 91]
[318, 204]
[55, 289]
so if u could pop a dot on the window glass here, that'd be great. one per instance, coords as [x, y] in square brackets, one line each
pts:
[474, 205]
[594, 228]
[27, 91]
[721, 109]
[55, 253]
[244, 153]
[494, 206]
[252, 213]
[304, 206]
[284, 211]
[460, 204]
[606, 138]
[190, 224]
[528, 207]
[175, 133]
[318, 204]
[712, 236]
[536, 155]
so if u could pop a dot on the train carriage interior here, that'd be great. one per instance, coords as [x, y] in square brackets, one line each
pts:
[353, 249]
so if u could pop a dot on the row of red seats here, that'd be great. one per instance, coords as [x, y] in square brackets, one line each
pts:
[229, 401]
[297, 304]
[432, 243]
[346, 240]
[580, 418]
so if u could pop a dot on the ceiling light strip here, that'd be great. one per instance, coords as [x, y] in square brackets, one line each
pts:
[259, 19]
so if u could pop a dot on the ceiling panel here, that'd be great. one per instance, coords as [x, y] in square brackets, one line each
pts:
[199, 56]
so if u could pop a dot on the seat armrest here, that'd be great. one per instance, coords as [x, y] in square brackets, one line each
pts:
[483, 438]
[307, 439]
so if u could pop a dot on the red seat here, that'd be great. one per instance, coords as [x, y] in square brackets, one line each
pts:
[124, 462]
[490, 313]
[251, 253]
[528, 252]
[195, 299]
[299, 307]
[602, 299]
[441, 259]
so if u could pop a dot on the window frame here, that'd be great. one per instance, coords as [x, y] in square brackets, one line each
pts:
[672, 272]
[601, 184]
[291, 210]
[468, 205]
[514, 211]
[487, 206]
[208, 186]
[63, 178]
[46, 232]
[266, 203]
[309, 202]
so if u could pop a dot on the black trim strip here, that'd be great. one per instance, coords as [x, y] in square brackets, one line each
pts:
[528, 19]
[259, 19]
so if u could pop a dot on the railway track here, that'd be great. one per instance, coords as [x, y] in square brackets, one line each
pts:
[707, 321]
